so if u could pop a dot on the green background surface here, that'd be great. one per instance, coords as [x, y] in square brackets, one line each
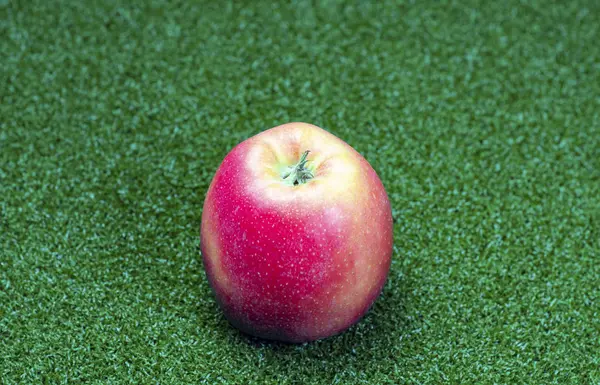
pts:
[482, 119]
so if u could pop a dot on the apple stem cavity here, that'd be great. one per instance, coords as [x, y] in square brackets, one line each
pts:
[298, 174]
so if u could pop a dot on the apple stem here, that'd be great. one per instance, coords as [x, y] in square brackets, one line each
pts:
[298, 173]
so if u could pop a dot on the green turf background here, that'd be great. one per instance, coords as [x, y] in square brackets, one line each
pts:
[482, 119]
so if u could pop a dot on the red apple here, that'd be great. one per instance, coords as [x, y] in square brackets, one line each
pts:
[296, 234]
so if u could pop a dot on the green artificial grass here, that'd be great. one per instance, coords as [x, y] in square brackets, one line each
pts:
[482, 119]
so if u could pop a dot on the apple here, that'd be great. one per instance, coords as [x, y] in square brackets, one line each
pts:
[296, 234]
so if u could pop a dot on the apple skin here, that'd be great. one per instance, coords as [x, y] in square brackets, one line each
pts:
[296, 263]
